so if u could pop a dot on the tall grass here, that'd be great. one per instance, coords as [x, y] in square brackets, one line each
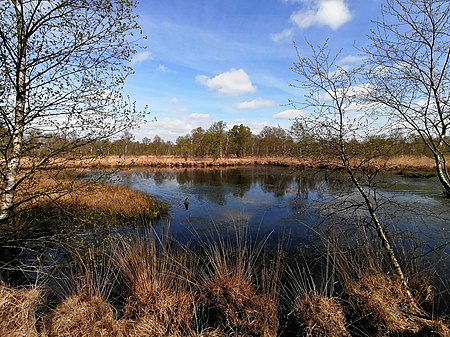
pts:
[379, 301]
[157, 284]
[18, 311]
[311, 301]
[151, 286]
[239, 287]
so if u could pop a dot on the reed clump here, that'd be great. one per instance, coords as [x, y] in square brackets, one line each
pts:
[232, 304]
[18, 311]
[152, 286]
[320, 316]
[79, 316]
[114, 202]
[238, 289]
[158, 297]
[383, 300]
[86, 205]
[378, 302]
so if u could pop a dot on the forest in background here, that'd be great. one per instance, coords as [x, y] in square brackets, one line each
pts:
[220, 142]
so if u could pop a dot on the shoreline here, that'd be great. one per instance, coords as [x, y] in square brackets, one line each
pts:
[396, 163]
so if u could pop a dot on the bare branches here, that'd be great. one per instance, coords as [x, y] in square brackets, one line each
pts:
[63, 63]
[409, 60]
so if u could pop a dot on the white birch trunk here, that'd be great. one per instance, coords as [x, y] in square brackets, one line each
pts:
[13, 162]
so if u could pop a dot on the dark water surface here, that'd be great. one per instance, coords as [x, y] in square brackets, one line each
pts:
[289, 203]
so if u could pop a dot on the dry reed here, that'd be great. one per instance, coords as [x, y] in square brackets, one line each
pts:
[320, 316]
[114, 200]
[378, 301]
[18, 311]
[384, 299]
[157, 285]
[405, 162]
[79, 316]
[232, 298]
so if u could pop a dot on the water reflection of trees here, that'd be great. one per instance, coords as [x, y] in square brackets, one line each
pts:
[224, 181]
[159, 176]
[276, 184]
[327, 193]
[238, 181]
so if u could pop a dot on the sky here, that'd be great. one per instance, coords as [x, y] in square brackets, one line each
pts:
[206, 61]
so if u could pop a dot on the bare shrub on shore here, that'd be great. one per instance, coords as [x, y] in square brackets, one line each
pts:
[159, 300]
[18, 311]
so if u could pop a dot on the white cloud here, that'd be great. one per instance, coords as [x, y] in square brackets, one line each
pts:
[256, 127]
[332, 13]
[199, 116]
[255, 104]
[233, 82]
[162, 68]
[141, 57]
[241, 120]
[166, 128]
[286, 34]
[351, 93]
[289, 114]
[350, 59]
[174, 100]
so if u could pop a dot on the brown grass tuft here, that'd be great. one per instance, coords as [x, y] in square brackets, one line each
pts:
[79, 316]
[17, 311]
[114, 200]
[321, 316]
[212, 333]
[238, 288]
[384, 299]
[233, 305]
[159, 300]
[440, 329]
[72, 201]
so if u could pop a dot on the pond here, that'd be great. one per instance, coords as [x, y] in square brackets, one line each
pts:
[278, 203]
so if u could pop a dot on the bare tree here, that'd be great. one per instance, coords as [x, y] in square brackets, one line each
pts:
[409, 57]
[336, 120]
[62, 67]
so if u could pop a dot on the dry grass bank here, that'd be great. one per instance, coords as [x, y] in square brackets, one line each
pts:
[391, 163]
[18, 311]
[64, 206]
[168, 290]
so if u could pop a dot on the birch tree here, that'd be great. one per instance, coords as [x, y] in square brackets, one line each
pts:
[409, 58]
[62, 67]
[336, 116]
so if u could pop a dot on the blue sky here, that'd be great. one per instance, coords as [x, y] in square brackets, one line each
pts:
[210, 60]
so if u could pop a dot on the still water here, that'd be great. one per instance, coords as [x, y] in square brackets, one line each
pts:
[289, 203]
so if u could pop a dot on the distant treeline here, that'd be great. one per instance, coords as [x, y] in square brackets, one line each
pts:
[218, 142]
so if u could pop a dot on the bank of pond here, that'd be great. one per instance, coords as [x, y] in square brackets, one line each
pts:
[244, 251]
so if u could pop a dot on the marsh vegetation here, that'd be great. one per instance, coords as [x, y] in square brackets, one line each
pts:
[105, 268]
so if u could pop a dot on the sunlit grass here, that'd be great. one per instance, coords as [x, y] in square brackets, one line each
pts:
[67, 202]
[151, 286]
[395, 162]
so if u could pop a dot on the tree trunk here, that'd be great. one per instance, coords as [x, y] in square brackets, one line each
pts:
[381, 232]
[382, 235]
[13, 162]
[442, 173]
